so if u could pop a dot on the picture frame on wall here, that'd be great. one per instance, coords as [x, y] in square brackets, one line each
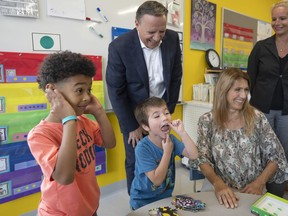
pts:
[24, 8]
[203, 25]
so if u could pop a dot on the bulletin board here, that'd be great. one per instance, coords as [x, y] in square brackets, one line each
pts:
[239, 35]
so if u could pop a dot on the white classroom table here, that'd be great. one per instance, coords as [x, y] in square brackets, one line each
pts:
[212, 206]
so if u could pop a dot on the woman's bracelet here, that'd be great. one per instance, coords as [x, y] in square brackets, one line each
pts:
[69, 118]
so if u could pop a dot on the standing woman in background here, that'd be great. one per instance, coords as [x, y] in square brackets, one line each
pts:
[268, 72]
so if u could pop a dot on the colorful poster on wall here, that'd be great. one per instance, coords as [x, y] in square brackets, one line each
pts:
[203, 25]
[237, 45]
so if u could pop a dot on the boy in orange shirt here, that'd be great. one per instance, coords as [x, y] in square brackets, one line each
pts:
[63, 142]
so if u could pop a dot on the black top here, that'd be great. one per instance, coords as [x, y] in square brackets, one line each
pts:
[265, 69]
[278, 97]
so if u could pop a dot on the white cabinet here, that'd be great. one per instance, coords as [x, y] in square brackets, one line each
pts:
[192, 110]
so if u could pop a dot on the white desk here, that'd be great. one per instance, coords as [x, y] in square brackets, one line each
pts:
[212, 205]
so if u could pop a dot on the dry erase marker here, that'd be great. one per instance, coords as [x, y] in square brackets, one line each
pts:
[93, 20]
[92, 28]
[102, 15]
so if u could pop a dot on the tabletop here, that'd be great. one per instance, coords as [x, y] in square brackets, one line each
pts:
[212, 205]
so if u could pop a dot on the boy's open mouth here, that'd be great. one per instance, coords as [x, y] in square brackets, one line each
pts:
[165, 128]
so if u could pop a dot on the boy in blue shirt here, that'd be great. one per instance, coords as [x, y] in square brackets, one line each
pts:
[155, 166]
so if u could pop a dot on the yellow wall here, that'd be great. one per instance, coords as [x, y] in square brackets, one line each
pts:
[194, 61]
[194, 66]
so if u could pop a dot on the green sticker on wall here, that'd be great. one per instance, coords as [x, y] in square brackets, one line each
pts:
[47, 42]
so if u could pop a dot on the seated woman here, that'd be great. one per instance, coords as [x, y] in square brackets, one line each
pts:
[238, 150]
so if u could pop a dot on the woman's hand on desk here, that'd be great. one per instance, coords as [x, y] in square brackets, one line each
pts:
[253, 188]
[225, 195]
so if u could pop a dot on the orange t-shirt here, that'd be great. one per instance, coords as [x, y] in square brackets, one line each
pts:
[80, 197]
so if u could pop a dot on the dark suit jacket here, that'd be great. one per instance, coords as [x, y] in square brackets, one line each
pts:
[127, 75]
[263, 70]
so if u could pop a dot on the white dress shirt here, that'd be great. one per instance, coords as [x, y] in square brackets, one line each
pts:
[153, 59]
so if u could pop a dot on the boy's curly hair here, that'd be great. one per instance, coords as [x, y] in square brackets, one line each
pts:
[62, 65]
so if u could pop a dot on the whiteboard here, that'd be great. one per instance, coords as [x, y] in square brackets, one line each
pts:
[16, 32]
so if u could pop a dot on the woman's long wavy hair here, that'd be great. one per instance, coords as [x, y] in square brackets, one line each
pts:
[220, 103]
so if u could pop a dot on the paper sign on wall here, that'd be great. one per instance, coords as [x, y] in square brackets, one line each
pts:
[74, 9]
[46, 42]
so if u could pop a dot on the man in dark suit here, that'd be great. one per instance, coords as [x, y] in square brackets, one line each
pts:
[142, 63]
